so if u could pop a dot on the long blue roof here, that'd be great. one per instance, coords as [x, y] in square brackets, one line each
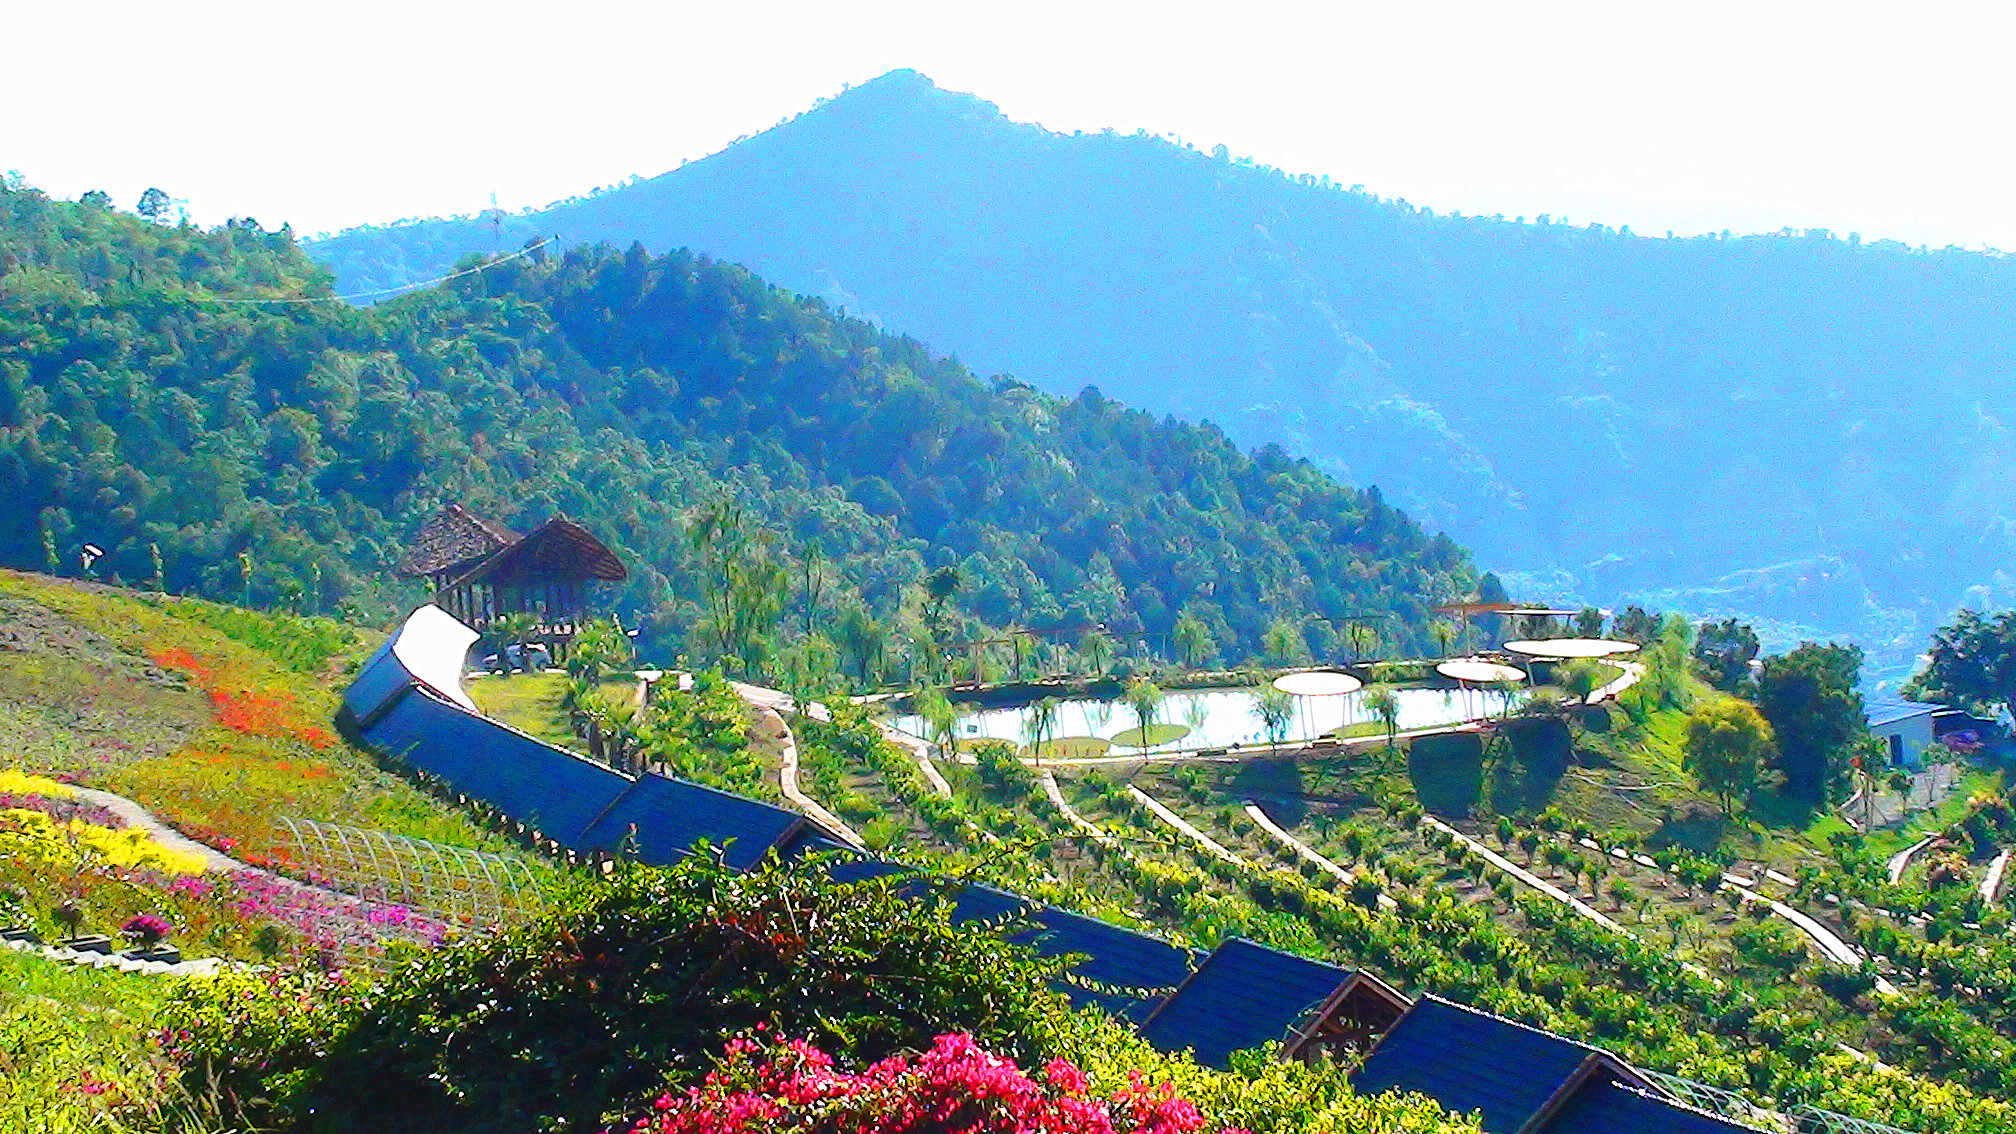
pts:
[1138, 970]
[1243, 995]
[1470, 1060]
[1612, 1108]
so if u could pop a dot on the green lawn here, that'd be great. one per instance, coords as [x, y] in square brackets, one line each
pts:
[528, 702]
[1158, 733]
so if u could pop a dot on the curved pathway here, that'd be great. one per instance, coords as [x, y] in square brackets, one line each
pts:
[1992, 883]
[1309, 854]
[1056, 794]
[1183, 826]
[1832, 947]
[1528, 877]
[767, 715]
[920, 749]
[1901, 861]
[134, 815]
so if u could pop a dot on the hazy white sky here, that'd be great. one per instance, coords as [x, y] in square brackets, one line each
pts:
[1890, 120]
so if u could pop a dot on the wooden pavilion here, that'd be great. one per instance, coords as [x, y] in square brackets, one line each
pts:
[482, 571]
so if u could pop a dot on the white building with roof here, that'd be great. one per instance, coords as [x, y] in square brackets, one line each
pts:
[1904, 726]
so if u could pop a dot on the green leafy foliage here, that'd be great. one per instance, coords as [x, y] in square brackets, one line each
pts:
[283, 453]
[640, 979]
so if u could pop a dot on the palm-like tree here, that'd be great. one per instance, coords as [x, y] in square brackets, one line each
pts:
[1362, 639]
[1444, 636]
[941, 720]
[1192, 640]
[1039, 725]
[1384, 704]
[1098, 649]
[1145, 699]
[1276, 709]
[516, 629]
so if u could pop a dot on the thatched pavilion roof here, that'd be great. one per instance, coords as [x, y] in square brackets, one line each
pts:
[452, 538]
[557, 550]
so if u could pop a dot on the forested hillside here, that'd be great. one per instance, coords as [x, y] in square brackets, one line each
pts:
[192, 403]
[1799, 428]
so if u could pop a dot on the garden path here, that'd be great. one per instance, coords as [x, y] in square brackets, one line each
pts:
[1056, 794]
[921, 750]
[1309, 854]
[134, 815]
[772, 721]
[1902, 859]
[1992, 883]
[1183, 825]
[1528, 877]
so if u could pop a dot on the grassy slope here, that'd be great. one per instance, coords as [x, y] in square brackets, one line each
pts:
[75, 1056]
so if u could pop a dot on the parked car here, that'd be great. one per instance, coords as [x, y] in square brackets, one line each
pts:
[536, 657]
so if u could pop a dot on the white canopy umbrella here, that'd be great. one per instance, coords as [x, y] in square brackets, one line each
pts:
[1560, 648]
[1478, 671]
[1317, 683]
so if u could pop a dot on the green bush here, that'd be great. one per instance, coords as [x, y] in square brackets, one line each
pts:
[638, 980]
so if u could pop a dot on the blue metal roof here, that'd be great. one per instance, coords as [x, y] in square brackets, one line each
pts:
[1612, 1108]
[1881, 711]
[1139, 969]
[1243, 995]
[1470, 1060]
[660, 818]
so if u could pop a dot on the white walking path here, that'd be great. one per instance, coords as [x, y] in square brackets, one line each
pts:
[921, 750]
[1309, 854]
[1527, 876]
[1831, 946]
[766, 703]
[1056, 794]
[1179, 823]
[1902, 859]
[1992, 883]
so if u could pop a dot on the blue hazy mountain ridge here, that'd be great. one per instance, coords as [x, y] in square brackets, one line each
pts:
[1803, 429]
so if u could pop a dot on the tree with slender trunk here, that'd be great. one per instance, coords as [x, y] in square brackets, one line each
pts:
[1040, 725]
[1144, 699]
[1098, 651]
[1444, 636]
[1192, 640]
[1362, 639]
[1384, 705]
[1276, 710]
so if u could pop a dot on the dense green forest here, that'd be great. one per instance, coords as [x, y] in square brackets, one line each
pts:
[1806, 430]
[180, 400]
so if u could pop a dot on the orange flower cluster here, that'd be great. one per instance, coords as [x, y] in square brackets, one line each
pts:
[244, 710]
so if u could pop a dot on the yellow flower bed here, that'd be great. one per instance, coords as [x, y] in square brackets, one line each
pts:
[18, 783]
[32, 835]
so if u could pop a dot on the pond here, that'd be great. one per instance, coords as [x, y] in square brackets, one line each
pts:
[1213, 718]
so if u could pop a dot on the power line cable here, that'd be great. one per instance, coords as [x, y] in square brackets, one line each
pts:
[485, 266]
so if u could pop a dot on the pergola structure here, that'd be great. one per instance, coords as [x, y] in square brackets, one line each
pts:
[483, 571]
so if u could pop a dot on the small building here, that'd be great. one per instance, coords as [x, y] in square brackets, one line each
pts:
[482, 571]
[1521, 1080]
[1246, 994]
[1907, 728]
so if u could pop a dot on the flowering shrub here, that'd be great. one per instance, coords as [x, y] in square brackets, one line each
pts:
[954, 1087]
[146, 929]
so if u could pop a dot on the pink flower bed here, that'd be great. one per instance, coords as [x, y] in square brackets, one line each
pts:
[329, 921]
[954, 1088]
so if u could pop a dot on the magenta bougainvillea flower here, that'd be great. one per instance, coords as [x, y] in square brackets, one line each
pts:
[956, 1087]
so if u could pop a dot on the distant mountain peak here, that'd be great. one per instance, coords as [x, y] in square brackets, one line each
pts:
[909, 92]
